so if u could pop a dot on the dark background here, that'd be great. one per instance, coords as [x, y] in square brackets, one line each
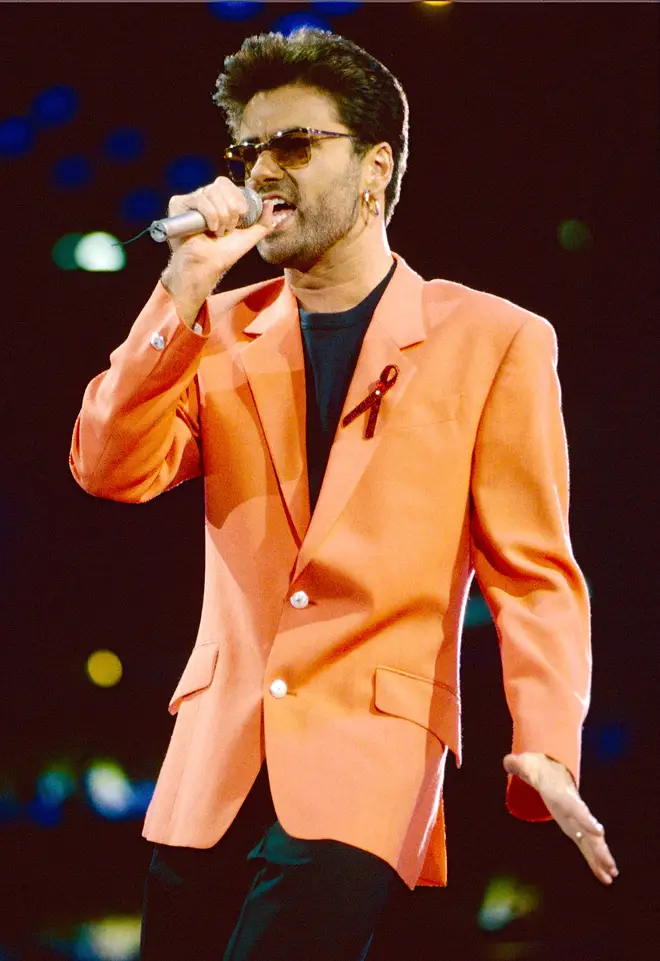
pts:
[522, 116]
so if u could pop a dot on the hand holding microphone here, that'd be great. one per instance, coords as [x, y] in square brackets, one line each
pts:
[193, 221]
[201, 230]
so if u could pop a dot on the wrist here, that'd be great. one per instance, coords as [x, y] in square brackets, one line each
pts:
[188, 304]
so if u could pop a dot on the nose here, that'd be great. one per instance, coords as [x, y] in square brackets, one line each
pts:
[264, 170]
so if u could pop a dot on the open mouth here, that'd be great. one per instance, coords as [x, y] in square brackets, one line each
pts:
[282, 212]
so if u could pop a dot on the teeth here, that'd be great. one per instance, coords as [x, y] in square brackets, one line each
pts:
[280, 215]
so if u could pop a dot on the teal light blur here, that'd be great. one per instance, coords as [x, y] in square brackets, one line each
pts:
[56, 783]
[97, 251]
[63, 252]
[574, 235]
[115, 938]
[505, 899]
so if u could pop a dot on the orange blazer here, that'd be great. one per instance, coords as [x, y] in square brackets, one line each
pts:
[330, 645]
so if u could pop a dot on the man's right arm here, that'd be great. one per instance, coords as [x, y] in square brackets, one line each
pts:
[137, 433]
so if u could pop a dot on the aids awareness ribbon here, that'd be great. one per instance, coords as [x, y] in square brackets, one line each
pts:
[372, 403]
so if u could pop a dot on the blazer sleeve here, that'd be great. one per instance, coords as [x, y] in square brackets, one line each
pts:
[523, 560]
[138, 431]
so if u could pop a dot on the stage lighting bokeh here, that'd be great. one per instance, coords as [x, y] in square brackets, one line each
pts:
[236, 10]
[124, 144]
[143, 204]
[186, 174]
[574, 235]
[104, 668]
[54, 106]
[295, 21]
[72, 172]
[16, 136]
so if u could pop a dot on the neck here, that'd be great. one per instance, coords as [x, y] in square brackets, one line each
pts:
[345, 275]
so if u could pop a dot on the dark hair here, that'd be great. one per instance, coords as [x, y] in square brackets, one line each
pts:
[370, 100]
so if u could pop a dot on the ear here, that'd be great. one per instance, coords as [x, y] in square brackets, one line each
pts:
[378, 166]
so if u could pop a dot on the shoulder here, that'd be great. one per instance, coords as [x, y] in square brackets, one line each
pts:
[483, 307]
[485, 315]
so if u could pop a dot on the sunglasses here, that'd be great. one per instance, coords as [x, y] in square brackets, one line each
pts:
[291, 149]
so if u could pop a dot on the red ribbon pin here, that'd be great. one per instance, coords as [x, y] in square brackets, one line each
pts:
[372, 403]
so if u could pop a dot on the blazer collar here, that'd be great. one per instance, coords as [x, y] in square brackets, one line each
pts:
[274, 365]
[399, 309]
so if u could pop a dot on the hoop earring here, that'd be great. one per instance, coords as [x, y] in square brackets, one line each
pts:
[373, 207]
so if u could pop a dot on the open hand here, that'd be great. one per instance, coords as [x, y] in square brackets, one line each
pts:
[556, 786]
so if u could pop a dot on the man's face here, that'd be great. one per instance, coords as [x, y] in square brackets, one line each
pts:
[326, 193]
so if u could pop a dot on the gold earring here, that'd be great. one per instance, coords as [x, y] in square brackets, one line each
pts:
[373, 207]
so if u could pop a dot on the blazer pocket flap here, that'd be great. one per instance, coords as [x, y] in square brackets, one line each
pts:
[421, 700]
[429, 411]
[197, 674]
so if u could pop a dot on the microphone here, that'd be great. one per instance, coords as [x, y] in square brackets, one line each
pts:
[193, 222]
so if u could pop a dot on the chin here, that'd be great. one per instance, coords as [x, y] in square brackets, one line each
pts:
[281, 254]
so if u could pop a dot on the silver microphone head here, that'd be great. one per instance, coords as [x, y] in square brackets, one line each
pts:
[255, 207]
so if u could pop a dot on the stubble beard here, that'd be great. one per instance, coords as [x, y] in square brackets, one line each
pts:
[304, 243]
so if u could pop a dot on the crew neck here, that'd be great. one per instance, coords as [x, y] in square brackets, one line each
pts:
[320, 320]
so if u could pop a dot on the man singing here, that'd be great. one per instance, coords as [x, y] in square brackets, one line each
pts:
[368, 441]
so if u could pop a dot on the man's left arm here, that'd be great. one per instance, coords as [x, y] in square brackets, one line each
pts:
[535, 590]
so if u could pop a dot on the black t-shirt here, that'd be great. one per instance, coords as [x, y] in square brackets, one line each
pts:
[331, 345]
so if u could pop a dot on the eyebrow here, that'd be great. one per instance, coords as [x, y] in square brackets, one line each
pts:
[270, 136]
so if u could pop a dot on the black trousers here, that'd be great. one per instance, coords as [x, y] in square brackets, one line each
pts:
[261, 895]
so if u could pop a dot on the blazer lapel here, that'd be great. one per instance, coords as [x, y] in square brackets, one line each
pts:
[275, 369]
[397, 323]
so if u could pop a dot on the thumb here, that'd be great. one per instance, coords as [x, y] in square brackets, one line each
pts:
[514, 764]
[237, 243]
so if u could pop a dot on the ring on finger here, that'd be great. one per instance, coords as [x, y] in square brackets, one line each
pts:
[578, 836]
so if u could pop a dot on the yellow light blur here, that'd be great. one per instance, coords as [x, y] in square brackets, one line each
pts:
[437, 3]
[506, 899]
[116, 938]
[104, 668]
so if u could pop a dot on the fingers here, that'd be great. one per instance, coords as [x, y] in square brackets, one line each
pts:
[562, 799]
[597, 854]
[221, 203]
[578, 823]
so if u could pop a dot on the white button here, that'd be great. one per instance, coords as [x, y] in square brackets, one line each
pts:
[198, 328]
[278, 688]
[157, 341]
[299, 600]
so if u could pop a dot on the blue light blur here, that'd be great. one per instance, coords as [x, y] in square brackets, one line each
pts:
[55, 106]
[236, 10]
[126, 143]
[16, 136]
[337, 8]
[46, 813]
[294, 21]
[142, 794]
[610, 740]
[10, 809]
[71, 172]
[141, 204]
[113, 795]
[188, 173]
